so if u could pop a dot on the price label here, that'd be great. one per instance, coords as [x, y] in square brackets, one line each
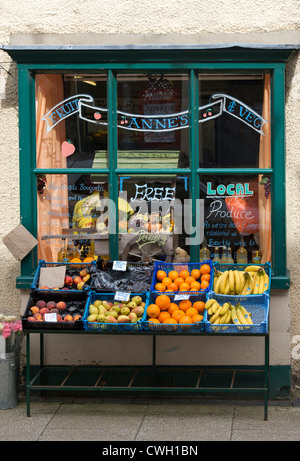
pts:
[51, 317]
[181, 297]
[122, 296]
[119, 265]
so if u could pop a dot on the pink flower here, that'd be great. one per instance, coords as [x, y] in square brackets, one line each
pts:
[6, 330]
[17, 325]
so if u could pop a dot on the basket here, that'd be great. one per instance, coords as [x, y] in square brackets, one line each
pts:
[176, 328]
[136, 278]
[75, 305]
[168, 267]
[72, 269]
[102, 326]
[241, 267]
[258, 305]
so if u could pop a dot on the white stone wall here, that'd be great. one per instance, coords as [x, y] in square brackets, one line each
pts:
[170, 22]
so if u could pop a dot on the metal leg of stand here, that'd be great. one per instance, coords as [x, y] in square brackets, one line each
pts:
[266, 383]
[28, 373]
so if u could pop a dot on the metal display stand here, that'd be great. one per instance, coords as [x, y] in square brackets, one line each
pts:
[151, 378]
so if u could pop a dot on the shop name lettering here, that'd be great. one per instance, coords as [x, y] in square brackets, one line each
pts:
[84, 106]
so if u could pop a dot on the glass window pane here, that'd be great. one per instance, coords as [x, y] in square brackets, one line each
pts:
[151, 218]
[153, 121]
[71, 121]
[65, 203]
[234, 121]
[236, 208]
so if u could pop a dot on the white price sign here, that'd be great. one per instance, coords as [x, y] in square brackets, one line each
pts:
[119, 265]
[122, 296]
[181, 297]
[51, 317]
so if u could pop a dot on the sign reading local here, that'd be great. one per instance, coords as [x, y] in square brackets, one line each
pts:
[83, 104]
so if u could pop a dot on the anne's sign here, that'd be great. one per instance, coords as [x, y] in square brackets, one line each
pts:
[83, 104]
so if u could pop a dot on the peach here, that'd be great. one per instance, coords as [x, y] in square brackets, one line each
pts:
[51, 304]
[44, 311]
[77, 317]
[37, 316]
[54, 310]
[45, 288]
[68, 280]
[61, 305]
[31, 319]
[68, 318]
[59, 318]
[34, 309]
[41, 304]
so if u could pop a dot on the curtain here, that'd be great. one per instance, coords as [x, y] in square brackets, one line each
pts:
[264, 204]
[53, 203]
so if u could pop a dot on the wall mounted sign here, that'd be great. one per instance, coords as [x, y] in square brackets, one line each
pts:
[83, 104]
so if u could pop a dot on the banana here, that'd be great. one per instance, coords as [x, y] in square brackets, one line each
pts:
[248, 287]
[223, 281]
[215, 307]
[237, 281]
[246, 315]
[231, 280]
[209, 311]
[266, 282]
[256, 283]
[224, 308]
[234, 318]
[209, 303]
[223, 318]
[217, 275]
[261, 273]
[240, 316]
[217, 321]
[252, 268]
[218, 283]
[227, 287]
[228, 317]
[216, 315]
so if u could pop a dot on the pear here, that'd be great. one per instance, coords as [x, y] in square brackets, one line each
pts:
[92, 318]
[132, 305]
[113, 313]
[102, 310]
[97, 303]
[116, 308]
[137, 300]
[139, 311]
[125, 311]
[101, 318]
[105, 304]
[132, 317]
[110, 319]
[123, 319]
[93, 310]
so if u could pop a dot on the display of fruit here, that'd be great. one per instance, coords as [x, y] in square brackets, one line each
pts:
[183, 279]
[105, 311]
[251, 281]
[165, 311]
[227, 313]
[65, 312]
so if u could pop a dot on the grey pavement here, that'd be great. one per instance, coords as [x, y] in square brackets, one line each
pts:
[149, 420]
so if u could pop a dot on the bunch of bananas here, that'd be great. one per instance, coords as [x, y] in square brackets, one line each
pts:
[227, 313]
[252, 281]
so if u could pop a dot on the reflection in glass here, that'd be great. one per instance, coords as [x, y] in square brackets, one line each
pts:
[152, 121]
[237, 212]
[235, 130]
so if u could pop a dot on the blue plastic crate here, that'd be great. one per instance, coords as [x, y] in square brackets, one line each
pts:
[186, 328]
[258, 305]
[71, 268]
[168, 267]
[102, 326]
[241, 267]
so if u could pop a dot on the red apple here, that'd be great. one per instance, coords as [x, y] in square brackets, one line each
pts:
[77, 280]
[68, 280]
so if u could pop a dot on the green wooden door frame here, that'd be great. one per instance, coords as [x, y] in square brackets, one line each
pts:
[28, 170]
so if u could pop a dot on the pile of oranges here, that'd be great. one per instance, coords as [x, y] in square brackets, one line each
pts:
[167, 312]
[183, 280]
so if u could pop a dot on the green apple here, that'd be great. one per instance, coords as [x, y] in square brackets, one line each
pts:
[125, 311]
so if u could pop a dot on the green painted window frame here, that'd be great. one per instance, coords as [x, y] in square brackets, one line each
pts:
[28, 170]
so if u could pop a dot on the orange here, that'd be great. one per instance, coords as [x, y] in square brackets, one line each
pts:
[160, 287]
[170, 320]
[178, 280]
[189, 279]
[163, 302]
[161, 275]
[200, 306]
[173, 275]
[153, 320]
[184, 274]
[205, 269]
[204, 284]
[173, 307]
[184, 287]
[153, 310]
[191, 312]
[195, 286]
[185, 304]
[75, 260]
[195, 273]
[205, 277]
[166, 281]
[173, 287]
[88, 260]
[185, 319]
[177, 314]
[164, 315]
[197, 318]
